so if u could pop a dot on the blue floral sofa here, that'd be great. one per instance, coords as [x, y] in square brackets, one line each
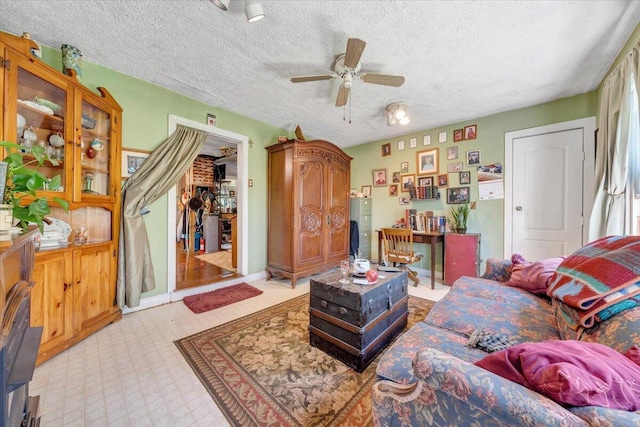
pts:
[428, 376]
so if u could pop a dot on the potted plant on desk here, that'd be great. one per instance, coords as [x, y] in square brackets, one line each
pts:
[21, 183]
[459, 216]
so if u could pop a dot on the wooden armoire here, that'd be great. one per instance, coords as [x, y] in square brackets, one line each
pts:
[308, 208]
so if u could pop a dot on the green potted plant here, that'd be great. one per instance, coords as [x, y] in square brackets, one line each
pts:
[23, 180]
[459, 216]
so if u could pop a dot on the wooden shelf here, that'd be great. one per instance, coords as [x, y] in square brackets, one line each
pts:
[92, 169]
[33, 116]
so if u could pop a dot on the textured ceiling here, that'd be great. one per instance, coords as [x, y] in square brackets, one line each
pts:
[461, 59]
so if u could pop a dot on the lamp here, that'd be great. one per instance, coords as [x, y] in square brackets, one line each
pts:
[397, 113]
[222, 4]
[254, 11]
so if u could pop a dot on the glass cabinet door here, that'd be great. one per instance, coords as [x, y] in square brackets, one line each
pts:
[96, 147]
[41, 118]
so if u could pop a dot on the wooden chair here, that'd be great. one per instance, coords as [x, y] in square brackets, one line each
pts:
[398, 249]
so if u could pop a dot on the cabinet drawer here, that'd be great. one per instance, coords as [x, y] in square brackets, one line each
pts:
[364, 223]
[365, 207]
[364, 252]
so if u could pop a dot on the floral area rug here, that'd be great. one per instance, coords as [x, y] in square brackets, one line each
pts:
[262, 371]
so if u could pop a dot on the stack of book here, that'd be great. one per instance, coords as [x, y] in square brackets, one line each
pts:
[425, 193]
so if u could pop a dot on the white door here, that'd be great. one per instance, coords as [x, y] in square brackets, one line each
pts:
[548, 200]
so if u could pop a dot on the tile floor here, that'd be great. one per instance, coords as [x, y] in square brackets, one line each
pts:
[131, 373]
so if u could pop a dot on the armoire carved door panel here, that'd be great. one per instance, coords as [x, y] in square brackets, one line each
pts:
[338, 233]
[311, 212]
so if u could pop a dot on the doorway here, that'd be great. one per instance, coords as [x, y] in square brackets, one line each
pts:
[549, 189]
[196, 271]
[206, 247]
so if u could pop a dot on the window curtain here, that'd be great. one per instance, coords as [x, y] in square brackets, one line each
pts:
[162, 169]
[612, 209]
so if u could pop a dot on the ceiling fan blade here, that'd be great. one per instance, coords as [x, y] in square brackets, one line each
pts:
[343, 95]
[355, 47]
[310, 78]
[383, 79]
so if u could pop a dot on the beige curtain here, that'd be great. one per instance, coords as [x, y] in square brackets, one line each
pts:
[611, 209]
[162, 170]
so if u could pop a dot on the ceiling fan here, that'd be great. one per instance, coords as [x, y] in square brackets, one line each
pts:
[347, 67]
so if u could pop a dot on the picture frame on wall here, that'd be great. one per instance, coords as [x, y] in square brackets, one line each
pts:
[465, 177]
[395, 177]
[458, 135]
[443, 180]
[401, 145]
[393, 190]
[404, 200]
[379, 177]
[404, 167]
[425, 181]
[353, 192]
[366, 191]
[470, 132]
[132, 159]
[442, 137]
[457, 195]
[427, 161]
[452, 153]
[386, 149]
[211, 119]
[413, 143]
[454, 167]
[473, 157]
[407, 182]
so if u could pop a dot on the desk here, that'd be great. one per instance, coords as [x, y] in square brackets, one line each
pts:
[430, 238]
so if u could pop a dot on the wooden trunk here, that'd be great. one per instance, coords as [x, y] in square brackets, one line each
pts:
[308, 208]
[355, 323]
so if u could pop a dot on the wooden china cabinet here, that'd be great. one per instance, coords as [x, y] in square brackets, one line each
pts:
[75, 288]
[308, 208]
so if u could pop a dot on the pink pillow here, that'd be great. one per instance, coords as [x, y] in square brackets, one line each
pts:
[574, 373]
[532, 277]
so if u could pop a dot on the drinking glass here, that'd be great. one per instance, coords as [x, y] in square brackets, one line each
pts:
[344, 268]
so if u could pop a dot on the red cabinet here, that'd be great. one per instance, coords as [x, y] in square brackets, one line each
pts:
[461, 256]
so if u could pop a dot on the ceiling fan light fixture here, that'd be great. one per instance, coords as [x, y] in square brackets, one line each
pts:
[253, 10]
[222, 4]
[397, 113]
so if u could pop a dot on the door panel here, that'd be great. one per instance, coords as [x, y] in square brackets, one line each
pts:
[51, 298]
[92, 295]
[339, 210]
[311, 212]
[547, 194]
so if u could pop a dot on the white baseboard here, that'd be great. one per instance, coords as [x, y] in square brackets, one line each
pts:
[149, 302]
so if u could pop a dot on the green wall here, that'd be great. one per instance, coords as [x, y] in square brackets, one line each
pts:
[146, 107]
[488, 217]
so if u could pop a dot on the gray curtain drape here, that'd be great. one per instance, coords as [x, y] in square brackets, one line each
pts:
[610, 213]
[162, 169]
